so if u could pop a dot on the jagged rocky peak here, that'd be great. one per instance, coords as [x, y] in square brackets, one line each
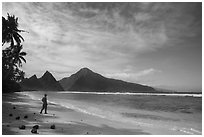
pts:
[45, 83]
[47, 74]
[33, 77]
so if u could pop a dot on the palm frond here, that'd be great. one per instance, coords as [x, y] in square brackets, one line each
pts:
[23, 54]
[20, 36]
[17, 39]
[22, 58]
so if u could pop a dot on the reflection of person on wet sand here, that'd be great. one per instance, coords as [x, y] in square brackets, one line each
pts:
[44, 106]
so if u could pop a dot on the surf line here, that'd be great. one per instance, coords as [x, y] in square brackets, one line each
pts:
[130, 93]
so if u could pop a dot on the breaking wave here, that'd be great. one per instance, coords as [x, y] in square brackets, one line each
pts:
[129, 93]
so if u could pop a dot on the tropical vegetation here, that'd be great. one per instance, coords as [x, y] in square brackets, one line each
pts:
[12, 54]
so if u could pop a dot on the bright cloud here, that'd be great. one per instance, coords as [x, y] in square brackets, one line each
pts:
[106, 37]
[134, 76]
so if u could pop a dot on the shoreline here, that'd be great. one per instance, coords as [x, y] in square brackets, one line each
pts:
[176, 94]
[69, 121]
[75, 123]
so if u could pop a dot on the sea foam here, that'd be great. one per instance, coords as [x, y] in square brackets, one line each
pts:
[129, 93]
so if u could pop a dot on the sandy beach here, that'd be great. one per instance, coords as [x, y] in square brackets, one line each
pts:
[69, 123]
[19, 110]
[102, 68]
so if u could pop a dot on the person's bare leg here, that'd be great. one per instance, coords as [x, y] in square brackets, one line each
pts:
[45, 109]
[42, 109]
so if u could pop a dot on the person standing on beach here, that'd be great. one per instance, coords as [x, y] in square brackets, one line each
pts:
[44, 106]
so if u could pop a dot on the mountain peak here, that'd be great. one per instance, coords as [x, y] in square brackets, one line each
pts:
[45, 83]
[85, 71]
[33, 77]
[87, 80]
[47, 75]
[47, 72]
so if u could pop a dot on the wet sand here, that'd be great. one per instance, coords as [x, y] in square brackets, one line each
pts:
[20, 110]
[66, 121]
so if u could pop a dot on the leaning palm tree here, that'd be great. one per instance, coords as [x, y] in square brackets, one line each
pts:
[12, 56]
[10, 31]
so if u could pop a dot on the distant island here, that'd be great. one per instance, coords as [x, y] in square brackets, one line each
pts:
[83, 80]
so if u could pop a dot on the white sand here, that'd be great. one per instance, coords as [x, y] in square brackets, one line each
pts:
[67, 121]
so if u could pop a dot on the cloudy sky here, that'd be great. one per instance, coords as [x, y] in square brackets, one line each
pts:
[157, 44]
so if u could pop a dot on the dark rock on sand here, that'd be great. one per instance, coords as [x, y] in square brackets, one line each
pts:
[8, 125]
[10, 115]
[34, 113]
[17, 118]
[14, 107]
[34, 131]
[25, 116]
[36, 126]
[52, 126]
[22, 127]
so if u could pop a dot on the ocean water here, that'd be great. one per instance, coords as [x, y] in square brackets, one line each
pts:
[174, 112]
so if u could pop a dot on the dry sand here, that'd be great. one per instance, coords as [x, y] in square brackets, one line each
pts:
[66, 121]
